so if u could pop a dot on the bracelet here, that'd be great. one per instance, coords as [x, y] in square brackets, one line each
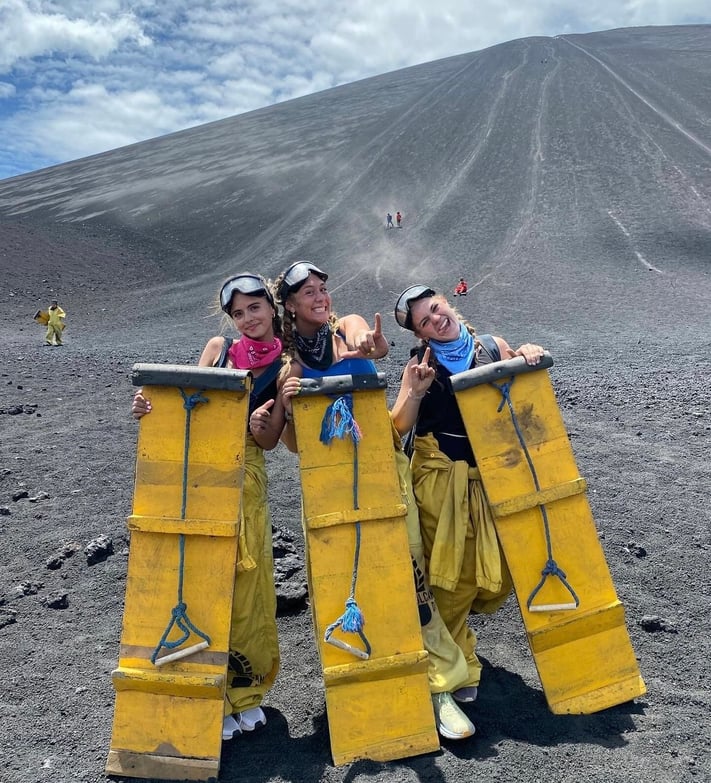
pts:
[288, 416]
[415, 396]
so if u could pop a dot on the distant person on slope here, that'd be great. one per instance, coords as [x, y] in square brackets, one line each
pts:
[466, 568]
[461, 288]
[389, 221]
[320, 344]
[398, 219]
[254, 647]
[55, 323]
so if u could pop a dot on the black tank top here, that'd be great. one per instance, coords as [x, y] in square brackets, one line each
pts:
[439, 413]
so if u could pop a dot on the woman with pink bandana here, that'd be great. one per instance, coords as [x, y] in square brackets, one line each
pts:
[254, 646]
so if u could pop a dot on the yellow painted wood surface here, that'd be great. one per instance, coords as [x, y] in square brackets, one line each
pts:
[584, 656]
[381, 708]
[168, 718]
[216, 465]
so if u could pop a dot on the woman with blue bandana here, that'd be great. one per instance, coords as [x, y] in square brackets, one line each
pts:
[466, 568]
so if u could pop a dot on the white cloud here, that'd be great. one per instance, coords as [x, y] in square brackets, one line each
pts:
[90, 119]
[26, 33]
[112, 72]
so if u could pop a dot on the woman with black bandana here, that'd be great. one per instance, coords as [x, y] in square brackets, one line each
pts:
[319, 343]
[316, 341]
[466, 568]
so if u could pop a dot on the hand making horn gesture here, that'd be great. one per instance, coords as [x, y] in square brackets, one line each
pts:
[370, 343]
[421, 376]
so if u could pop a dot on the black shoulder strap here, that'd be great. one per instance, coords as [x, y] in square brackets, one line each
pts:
[261, 383]
[489, 344]
[222, 359]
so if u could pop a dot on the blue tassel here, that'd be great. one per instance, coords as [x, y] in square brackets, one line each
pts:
[352, 618]
[338, 421]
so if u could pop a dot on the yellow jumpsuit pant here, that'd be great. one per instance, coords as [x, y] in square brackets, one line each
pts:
[254, 645]
[54, 326]
[447, 668]
[465, 565]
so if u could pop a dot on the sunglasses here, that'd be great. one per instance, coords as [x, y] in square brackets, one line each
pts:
[295, 276]
[402, 309]
[247, 284]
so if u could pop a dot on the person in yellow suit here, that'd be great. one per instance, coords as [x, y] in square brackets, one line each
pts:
[319, 344]
[466, 568]
[55, 324]
[254, 646]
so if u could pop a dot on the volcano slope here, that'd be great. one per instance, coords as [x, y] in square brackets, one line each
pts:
[568, 179]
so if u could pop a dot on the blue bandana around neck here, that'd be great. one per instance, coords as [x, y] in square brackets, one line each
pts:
[456, 355]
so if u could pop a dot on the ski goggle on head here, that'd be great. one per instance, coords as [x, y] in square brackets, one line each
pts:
[295, 276]
[402, 309]
[247, 284]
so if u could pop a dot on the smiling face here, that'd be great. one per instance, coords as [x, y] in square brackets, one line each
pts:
[434, 319]
[310, 305]
[253, 316]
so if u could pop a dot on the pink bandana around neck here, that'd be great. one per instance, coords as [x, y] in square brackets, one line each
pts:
[246, 354]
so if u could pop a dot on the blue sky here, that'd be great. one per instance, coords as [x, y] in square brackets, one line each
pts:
[78, 77]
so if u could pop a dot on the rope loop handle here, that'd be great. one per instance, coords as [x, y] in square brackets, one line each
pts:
[352, 620]
[179, 614]
[179, 618]
[551, 568]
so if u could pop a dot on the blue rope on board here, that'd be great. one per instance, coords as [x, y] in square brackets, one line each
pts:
[338, 422]
[551, 568]
[179, 613]
[189, 402]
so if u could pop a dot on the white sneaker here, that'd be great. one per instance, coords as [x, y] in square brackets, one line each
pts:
[229, 727]
[466, 695]
[452, 723]
[250, 719]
